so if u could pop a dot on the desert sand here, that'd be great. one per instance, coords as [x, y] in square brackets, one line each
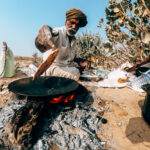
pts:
[125, 127]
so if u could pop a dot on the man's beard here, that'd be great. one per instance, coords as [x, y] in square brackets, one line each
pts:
[70, 31]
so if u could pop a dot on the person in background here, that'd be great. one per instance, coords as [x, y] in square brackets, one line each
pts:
[139, 68]
[6, 62]
[65, 64]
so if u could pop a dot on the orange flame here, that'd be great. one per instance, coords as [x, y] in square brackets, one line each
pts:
[62, 98]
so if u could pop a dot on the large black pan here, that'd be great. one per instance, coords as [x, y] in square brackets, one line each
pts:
[43, 86]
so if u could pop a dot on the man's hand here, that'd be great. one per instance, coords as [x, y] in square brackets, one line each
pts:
[131, 69]
[43, 41]
[137, 65]
[45, 35]
[85, 65]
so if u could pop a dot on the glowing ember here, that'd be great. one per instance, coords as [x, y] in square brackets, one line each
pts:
[62, 98]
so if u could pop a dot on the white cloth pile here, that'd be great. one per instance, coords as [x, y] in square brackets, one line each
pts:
[30, 71]
[115, 75]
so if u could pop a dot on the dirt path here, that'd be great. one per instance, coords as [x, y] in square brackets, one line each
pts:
[126, 128]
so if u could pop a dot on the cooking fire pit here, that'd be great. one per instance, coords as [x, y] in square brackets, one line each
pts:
[54, 89]
[40, 93]
[37, 123]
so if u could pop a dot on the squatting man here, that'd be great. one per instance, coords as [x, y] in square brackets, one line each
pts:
[65, 64]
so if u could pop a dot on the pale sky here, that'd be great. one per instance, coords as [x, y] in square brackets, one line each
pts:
[21, 20]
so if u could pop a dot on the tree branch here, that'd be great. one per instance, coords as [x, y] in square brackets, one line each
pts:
[146, 7]
[125, 15]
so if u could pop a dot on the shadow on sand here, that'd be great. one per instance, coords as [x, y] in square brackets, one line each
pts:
[137, 130]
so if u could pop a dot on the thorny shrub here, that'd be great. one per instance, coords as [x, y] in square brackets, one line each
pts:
[91, 47]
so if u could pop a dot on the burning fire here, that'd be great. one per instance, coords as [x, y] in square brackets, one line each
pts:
[62, 98]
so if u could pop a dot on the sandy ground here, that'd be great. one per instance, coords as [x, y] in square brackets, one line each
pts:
[125, 129]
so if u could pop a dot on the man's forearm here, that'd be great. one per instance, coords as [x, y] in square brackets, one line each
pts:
[144, 62]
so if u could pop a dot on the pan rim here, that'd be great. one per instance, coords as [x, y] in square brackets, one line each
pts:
[74, 85]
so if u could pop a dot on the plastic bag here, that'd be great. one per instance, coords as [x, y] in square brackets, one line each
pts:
[139, 81]
[6, 64]
[102, 73]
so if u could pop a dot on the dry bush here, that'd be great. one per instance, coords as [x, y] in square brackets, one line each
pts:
[128, 29]
[91, 47]
[36, 60]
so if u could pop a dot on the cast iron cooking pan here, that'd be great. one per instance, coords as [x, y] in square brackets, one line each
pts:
[43, 86]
